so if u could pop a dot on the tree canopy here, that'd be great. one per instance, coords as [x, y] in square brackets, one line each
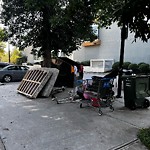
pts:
[2, 45]
[48, 25]
[53, 25]
[134, 13]
[2, 52]
[15, 56]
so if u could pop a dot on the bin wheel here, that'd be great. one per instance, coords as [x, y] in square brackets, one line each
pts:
[81, 105]
[133, 107]
[146, 103]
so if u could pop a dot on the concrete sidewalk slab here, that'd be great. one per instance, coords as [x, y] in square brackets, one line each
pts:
[42, 124]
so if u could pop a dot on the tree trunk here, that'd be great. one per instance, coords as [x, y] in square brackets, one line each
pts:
[46, 45]
[47, 58]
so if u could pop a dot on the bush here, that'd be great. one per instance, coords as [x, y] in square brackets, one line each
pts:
[136, 68]
[144, 68]
[115, 66]
[141, 63]
[126, 65]
[133, 66]
[144, 136]
[85, 63]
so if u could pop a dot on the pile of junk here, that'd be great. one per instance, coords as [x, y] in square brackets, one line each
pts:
[96, 92]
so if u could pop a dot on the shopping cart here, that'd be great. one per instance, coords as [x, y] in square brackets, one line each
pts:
[97, 92]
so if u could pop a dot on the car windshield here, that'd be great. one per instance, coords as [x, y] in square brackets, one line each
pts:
[7, 67]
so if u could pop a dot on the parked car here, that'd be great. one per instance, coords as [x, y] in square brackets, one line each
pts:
[13, 73]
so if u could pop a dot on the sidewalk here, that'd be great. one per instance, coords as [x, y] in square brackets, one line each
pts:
[2, 147]
[42, 124]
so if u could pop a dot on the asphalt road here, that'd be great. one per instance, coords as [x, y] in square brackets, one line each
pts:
[42, 124]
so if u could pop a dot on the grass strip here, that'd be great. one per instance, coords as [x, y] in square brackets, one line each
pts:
[144, 136]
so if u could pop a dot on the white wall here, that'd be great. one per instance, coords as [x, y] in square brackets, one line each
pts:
[137, 52]
[110, 43]
[110, 48]
[30, 57]
[86, 53]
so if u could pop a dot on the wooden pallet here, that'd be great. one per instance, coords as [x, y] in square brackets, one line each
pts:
[34, 81]
[47, 89]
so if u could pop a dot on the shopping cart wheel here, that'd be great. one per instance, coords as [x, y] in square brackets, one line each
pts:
[63, 88]
[111, 108]
[57, 101]
[113, 99]
[81, 105]
[54, 98]
[100, 112]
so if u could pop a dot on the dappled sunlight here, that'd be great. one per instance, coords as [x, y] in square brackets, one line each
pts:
[45, 116]
[34, 109]
[58, 118]
[30, 106]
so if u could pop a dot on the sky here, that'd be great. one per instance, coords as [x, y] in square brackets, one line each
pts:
[1, 25]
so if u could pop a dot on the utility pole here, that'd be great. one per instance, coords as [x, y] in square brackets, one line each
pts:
[123, 38]
[124, 35]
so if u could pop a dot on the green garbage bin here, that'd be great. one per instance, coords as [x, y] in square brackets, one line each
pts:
[136, 89]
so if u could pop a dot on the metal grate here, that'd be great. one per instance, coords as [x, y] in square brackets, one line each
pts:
[34, 81]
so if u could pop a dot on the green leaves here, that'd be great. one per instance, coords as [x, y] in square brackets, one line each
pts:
[3, 35]
[144, 136]
[49, 24]
[134, 13]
